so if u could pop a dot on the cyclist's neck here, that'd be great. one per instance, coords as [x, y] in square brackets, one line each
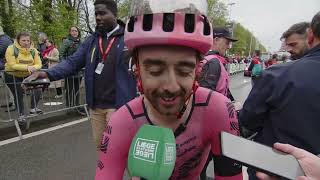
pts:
[172, 121]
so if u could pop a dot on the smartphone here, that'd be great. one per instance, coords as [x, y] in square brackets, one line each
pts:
[261, 157]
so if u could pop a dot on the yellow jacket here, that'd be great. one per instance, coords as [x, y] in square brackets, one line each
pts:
[19, 66]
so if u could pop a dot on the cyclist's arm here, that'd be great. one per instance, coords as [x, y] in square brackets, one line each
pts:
[115, 146]
[210, 74]
[225, 120]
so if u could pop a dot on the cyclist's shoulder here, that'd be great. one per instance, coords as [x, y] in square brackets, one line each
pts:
[209, 98]
[130, 111]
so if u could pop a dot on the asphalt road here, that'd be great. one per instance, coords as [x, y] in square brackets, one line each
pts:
[68, 153]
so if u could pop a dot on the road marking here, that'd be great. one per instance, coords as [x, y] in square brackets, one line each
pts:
[15, 139]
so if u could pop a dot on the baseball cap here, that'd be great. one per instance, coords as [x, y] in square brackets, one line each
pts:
[223, 32]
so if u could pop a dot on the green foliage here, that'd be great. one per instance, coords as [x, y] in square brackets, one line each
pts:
[217, 13]
[123, 9]
[53, 19]
[245, 40]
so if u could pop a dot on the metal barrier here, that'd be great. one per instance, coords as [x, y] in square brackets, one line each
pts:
[235, 68]
[18, 104]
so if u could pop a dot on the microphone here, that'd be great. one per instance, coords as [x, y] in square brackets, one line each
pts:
[152, 153]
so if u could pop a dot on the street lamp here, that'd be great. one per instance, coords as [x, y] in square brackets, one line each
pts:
[230, 4]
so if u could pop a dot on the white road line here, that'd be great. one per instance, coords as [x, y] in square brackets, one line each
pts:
[12, 140]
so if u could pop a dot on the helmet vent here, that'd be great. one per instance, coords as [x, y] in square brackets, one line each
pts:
[168, 22]
[189, 23]
[206, 27]
[131, 24]
[147, 22]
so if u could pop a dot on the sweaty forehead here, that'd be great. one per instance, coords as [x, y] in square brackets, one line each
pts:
[166, 55]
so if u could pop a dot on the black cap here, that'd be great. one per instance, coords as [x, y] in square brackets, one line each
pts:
[223, 32]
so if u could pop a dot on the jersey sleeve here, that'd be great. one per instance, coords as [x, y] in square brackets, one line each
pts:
[210, 74]
[225, 119]
[115, 146]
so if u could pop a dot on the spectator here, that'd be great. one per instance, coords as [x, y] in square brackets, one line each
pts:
[51, 55]
[284, 106]
[295, 39]
[271, 61]
[21, 60]
[41, 46]
[5, 41]
[109, 85]
[71, 84]
[255, 67]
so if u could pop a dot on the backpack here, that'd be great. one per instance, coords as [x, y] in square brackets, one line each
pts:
[257, 70]
[16, 52]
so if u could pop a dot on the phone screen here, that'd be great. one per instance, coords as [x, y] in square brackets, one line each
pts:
[259, 156]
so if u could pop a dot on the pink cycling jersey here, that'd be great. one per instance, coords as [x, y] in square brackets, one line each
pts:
[223, 83]
[210, 114]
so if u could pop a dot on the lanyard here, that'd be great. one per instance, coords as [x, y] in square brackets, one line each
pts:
[106, 52]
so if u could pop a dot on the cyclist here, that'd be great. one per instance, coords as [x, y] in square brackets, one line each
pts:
[167, 41]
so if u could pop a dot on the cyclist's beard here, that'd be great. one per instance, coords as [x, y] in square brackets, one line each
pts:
[167, 103]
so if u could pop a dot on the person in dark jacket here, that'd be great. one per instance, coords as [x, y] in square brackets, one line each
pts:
[109, 84]
[5, 41]
[72, 84]
[284, 105]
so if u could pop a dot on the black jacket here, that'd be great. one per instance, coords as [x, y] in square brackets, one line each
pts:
[284, 105]
[87, 56]
[5, 41]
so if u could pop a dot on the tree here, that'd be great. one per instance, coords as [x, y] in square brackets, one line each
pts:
[246, 43]
[217, 13]
[6, 17]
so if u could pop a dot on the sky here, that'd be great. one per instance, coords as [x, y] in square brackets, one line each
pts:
[268, 19]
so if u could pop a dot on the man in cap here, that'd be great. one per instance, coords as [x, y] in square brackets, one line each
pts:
[214, 74]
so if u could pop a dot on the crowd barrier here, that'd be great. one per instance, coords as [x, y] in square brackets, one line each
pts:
[35, 103]
[234, 68]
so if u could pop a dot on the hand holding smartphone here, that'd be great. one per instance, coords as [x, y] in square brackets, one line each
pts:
[259, 156]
